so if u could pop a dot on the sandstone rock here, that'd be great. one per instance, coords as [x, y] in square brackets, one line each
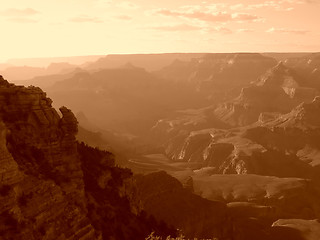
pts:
[40, 165]
[53, 188]
[278, 90]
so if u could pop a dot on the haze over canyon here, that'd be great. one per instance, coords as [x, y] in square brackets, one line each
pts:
[219, 145]
[154, 120]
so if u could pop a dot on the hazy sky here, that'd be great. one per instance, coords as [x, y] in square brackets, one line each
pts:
[43, 28]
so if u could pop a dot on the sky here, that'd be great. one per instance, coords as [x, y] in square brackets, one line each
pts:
[56, 28]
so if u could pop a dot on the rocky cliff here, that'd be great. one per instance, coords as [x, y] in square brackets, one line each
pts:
[220, 75]
[278, 91]
[50, 188]
[286, 146]
[40, 169]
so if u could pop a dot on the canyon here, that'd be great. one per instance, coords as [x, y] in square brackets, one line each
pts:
[216, 145]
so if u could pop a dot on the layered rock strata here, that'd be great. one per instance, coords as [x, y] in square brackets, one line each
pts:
[42, 189]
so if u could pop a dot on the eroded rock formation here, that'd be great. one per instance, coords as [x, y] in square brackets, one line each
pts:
[52, 188]
[44, 182]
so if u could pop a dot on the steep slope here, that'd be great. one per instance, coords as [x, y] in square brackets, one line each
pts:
[284, 147]
[40, 169]
[114, 206]
[278, 90]
[278, 143]
[305, 116]
[235, 151]
[296, 132]
[52, 188]
[264, 172]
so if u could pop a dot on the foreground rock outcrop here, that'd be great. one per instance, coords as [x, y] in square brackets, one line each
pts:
[50, 188]
[40, 169]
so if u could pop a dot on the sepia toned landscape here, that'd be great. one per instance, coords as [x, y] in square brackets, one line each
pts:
[172, 120]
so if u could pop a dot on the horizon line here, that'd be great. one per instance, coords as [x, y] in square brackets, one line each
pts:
[149, 53]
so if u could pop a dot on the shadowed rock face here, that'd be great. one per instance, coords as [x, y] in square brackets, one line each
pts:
[305, 116]
[187, 136]
[52, 188]
[285, 147]
[264, 169]
[278, 90]
[280, 142]
[40, 167]
[114, 207]
[165, 198]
